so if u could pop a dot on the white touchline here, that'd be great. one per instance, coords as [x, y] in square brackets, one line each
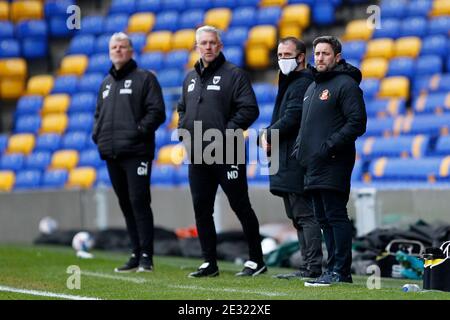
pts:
[45, 294]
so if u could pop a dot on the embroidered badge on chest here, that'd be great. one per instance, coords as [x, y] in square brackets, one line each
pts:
[324, 95]
[191, 86]
[127, 85]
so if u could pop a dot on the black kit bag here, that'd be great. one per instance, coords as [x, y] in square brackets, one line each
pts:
[437, 268]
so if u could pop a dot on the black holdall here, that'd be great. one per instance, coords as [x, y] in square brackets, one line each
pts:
[437, 268]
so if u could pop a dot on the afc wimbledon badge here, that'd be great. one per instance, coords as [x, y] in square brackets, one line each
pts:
[127, 83]
[216, 79]
[325, 95]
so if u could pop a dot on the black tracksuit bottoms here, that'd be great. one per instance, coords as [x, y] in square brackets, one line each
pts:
[204, 181]
[130, 178]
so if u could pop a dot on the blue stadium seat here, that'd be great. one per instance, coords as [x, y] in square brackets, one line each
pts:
[34, 48]
[29, 105]
[380, 126]
[102, 179]
[265, 112]
[383, 107]
[405, 169]
[265, 92]
[90, 82]
[74, 140]
[55, 178]
[9, 48]
[92, 25]
[139, 40]
[191, 19]
[243, 16]
[82, 102]
[6, 30]
[83, 121]
[166, 20]
[439, 25]
[250, 3]
[31, 29]
[163, 175]
[418, 8]
[235, 36]
[90, 144]
[234, 55]
[198, 4]
[370, 87]
[323, 13]
[99, 62]
[225, 4]
[393, 8]
[182, 175]
[176, 59]
[116, 23]
[268, 16]
[431, 102]
[28, 123]
[170, 78]
[401, 67]
[354, 62]
[27, 179]
[162, 137]
[148, 6]
[357, 170]
[390, 28]
[12, 161]
[435, 44]
[58, 27]
[102, 43]
[38, 160]
[152, 60]
[429, 64]
[3, 142]
[442, 146]
[402, 146]
[414, 27]
[57, 8]
[90, 158]
[48, 142]
[65, 84]
[122, 6]
[169, 5]
[82, 44]
[257, 174]
[428, 124]
[354, 49]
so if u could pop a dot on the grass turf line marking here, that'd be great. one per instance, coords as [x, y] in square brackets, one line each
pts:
[45, 294]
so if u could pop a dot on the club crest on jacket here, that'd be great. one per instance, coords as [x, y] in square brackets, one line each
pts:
[325, 95]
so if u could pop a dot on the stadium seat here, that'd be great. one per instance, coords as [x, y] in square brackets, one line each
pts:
[102, 43]
[442, 146]
[57, 8]
[152, 60]
[33, 48]
[58, 28]
[395, 87]
[55, 103]
[90, 82]
[234, 55]
[389, 28]
[82, 177]
[21, 143]
[74, 64]
[141, 22]
[4, 10]
[380, 48]
[82, 102]
[64, 159]
[435, 44]
[38, 160]
[231, 4]
[191, 19]
[122, 6]
[324, 13]
[414, 27]
[218, 17]
[440, 8]
[75, 140]
[54, 123]
[26, 10]
[171, 154]
[81, 121]
[7, 179]
[9, 48]
[235, 36]
[176, 59]
[268, 16]
[11, 88]
[402, 146]
[418, 8]
[13, 68]
[432, 103]
[28, 124]
[385, 107]
[198, 4]
[182, 175]
[100, 63]
[48, 142]
[384, 126]
[55, 178]
[159, 41]
[40, 85]
[289, 30]
[427, 124]
[6, 27]
[82, 44]
[257, 56]
[407, 47]
[265, 93]
[354, 49]
[393, 8]
[31, 29]
[167, 5]
[357, 30]
[429, 64]
[102, 177]
[426, 169]
[263, 35]
[183, 39]
[243, 17]
[12, 161]
[93, 24]
[28, 179]
[163, 174]
[138, 39]
[374, 68]
[401, 66]
[253, 3]
[3, 142]
[115, 23]
[170, 78]
[193, 58]
[90, 158]
[65, 84]
[167, 21]
[148, 6]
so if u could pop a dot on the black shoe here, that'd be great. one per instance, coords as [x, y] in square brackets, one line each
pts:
[328, 278]
[205, 270]
[252, 269]
[130, 266]
[300, 274]
[145, 263]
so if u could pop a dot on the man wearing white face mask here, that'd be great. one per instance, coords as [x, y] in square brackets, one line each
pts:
[287, 183]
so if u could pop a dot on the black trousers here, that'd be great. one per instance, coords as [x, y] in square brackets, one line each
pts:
[130, 178]
[299, 209]
[330, 209]
[204, 181]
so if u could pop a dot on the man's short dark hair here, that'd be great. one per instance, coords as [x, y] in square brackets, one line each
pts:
[299, 44]
[331, 40]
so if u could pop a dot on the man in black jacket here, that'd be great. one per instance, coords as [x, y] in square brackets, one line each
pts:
[287, 183]
[129, 109]
[334, 115]
[218, 97]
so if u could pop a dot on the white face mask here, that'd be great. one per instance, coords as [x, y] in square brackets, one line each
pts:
[287, 65]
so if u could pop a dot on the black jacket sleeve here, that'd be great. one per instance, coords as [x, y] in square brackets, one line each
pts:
[98, 108]
[244, 101]
[154, 108]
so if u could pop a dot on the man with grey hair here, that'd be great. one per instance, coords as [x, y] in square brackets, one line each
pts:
[219, 96]
[130, 108]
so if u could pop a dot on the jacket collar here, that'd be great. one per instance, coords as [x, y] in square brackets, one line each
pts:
[124, 71]
[211, 68]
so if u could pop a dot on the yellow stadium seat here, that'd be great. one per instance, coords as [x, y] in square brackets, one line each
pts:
[55, 103]
[171, 154]
[74, 64]
[64, 159]
[290, 30]
[11, 88]
[26, 10]
[380, 48]
[218, 17]
[357, 30]
[257, 57]
[54, 123]
[374, 68]
[440, 8]
[82, 177]
[21, 143]
[174, 120]
[159, 41]
[272, 3]
[407, 47]
[394, 87]
[298, 14]
[4, 10]
[141, 22]
[264, 35]
[40, 85]
[13, 68]
[193, 58]
[7, 180]
[183, 39]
